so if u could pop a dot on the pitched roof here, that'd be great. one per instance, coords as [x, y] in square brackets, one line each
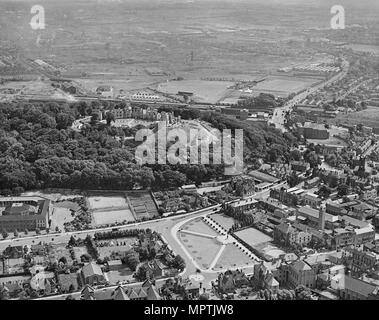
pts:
[119, 294]
[137, 293]
[285, 228]
[152, 293]
[91, 269]
[356, 285]
[300, 265]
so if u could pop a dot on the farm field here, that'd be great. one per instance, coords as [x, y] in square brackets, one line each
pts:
[198, 225]
[252, 236]
[203, 250]
[232, 257]
[113, 216]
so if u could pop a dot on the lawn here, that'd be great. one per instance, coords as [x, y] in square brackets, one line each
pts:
[203, 250]
[58, 251]
[222, 219]
[124, 274]
[110, 217]
[198, 225]
[232, 257]
[59, 217]
[79, 251]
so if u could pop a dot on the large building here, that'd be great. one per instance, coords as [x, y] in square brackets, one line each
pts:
[20, 213]
[314, 131]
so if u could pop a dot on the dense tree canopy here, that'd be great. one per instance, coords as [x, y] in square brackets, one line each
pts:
[39, 149]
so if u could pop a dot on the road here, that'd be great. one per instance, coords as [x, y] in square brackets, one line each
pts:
[278, 119]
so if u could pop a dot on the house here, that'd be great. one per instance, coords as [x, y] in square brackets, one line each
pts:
[114, 265]
[105, 91]
[264, 277]
[230, 280]
[364, 261]
[41, 281]
[15, 252]
[88, 293]
[146, 292]
[288, 235]
[311, 183]
[120, 294]
[91, 274]
[14, 284]
[350, 288]
[154, 269]
[137, 294]
[241, 205]
[192, 289]
[300, 166]
[298, 273]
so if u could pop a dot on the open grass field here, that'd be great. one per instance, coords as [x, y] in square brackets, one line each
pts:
[224, 220]
[203, 250]
[204, 91]
[59, 217]
[252, 236]
[283, 86]
[368, 117]
[96, 203]
[109, 217]
[198, 225]
[232, 257]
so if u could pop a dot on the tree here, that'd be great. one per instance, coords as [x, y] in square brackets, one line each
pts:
[109, 117]
[141, 273]
[179, 263]
[5, 234]
[72, 242]
[343, 190]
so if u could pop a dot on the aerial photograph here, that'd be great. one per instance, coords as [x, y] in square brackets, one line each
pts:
[218, 150]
